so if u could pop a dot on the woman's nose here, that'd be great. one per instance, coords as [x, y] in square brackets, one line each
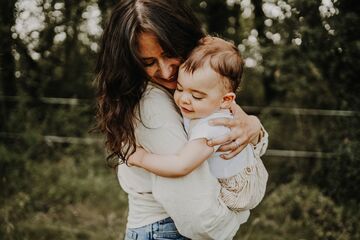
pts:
[165, 70]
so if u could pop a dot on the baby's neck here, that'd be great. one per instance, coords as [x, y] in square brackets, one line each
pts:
[193, 121]
[221, 110]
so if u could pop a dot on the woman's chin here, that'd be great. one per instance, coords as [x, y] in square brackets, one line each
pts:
[170, 86]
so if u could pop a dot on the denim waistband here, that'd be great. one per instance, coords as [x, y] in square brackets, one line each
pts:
[162, 229]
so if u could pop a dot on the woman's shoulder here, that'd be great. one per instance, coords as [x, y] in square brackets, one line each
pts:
[156, 97]
[154, 92]
[157, 107]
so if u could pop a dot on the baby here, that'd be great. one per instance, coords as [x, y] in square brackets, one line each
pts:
[206, 84]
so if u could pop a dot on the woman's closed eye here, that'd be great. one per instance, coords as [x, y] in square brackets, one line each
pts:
[149, 62]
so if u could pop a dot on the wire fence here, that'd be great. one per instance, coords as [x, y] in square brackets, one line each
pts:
[53, 139]
[253, 109]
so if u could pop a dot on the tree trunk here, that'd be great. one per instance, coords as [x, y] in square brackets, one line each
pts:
[7, 62]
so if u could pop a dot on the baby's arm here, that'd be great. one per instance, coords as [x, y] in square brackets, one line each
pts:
[190, 157]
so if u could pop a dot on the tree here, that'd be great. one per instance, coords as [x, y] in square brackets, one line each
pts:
[7, 62]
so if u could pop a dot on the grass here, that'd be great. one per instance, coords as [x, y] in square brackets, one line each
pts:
[72, 194]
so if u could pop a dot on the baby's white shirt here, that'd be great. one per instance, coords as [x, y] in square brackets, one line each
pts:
[219, 167]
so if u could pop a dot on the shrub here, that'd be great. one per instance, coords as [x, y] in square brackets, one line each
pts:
[296, 211]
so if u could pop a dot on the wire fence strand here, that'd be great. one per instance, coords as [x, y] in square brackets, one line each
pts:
[52, 139]
[252, 109]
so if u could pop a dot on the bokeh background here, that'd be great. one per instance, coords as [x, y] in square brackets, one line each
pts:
[301, 80]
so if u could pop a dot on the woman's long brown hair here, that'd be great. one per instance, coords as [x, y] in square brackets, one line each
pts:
[121, 79]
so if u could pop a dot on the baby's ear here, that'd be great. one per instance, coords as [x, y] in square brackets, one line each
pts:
[227, 100]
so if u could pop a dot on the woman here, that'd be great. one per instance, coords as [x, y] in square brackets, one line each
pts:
[143, 45]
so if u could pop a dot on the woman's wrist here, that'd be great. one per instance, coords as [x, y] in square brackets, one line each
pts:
[258, 138]
[255, 137]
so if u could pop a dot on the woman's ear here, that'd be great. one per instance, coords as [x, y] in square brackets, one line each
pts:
[227, 100]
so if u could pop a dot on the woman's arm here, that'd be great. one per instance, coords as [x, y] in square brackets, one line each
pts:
[190, 157]
[244, 128]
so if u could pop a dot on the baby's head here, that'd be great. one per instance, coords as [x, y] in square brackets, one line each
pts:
[208, 78]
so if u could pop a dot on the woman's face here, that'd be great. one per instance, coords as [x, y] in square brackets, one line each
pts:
[161, 68]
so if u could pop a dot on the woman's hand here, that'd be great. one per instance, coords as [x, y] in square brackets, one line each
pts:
[243, 130]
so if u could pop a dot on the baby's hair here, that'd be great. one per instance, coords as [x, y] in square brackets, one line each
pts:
[222, 56]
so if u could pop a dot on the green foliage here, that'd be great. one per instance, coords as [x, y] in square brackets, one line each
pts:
[64, 191]
[296, 211]
[54, 198]
[339, 177]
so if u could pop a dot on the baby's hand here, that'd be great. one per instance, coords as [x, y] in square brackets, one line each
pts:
[137, 157]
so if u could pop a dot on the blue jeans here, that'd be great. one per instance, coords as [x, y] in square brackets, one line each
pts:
[160, 230]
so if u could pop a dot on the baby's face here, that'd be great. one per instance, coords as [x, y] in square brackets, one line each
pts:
[199, 94]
